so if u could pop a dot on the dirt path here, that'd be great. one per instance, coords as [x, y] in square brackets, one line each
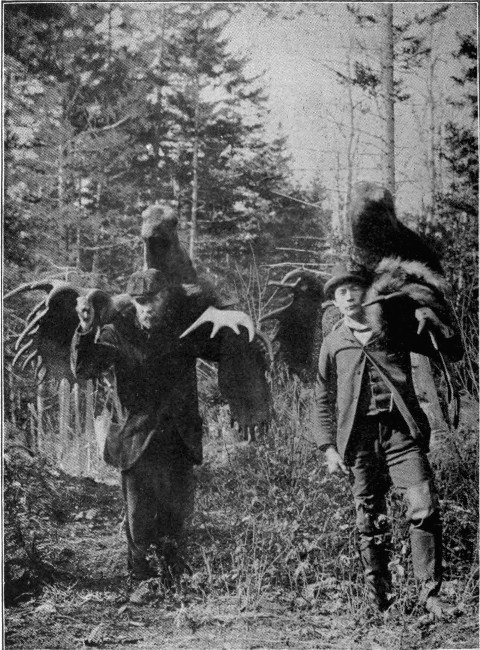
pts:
[90, 603]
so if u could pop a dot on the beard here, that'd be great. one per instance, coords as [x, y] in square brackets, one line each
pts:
[148, 321]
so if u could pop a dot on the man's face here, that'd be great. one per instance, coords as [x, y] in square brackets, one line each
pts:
[348, 298]
[149, 309]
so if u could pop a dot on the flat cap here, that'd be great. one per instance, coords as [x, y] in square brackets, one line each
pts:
[340, 275]
[146, 283]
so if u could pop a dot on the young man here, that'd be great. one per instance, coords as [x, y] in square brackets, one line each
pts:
[381, 434]
[161, 438]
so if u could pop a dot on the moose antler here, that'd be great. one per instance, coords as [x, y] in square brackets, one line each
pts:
[45, 340]
[219, 319]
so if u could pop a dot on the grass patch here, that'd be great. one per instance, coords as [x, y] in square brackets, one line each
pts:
[272, 531]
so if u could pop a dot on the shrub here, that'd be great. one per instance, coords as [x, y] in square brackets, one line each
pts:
[32, 509]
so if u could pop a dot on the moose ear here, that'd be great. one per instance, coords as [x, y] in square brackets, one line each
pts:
[299, 332]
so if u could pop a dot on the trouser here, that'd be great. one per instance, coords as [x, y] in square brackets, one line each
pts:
[158, 494]
[386, 453]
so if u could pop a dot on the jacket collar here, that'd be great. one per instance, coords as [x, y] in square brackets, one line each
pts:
[348, 335]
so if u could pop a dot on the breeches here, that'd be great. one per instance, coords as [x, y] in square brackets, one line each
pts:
[158, 494]
[385, 453]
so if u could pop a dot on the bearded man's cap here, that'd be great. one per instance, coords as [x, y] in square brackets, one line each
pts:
[146, 284]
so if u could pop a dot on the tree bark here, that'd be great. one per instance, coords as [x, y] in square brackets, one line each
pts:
[78, 263]
[388, 96]
[422, 371]
[78, 225]
[79, 441]
[90, 441]
[337, 212]
[157, 136]
[63, 417]
[40, 409]
[193, 224]
[61, 191]
[350, 148]
[96, 248]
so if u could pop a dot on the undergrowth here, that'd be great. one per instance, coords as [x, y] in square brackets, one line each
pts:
[274, 523]
[32, 511]
[270, 523]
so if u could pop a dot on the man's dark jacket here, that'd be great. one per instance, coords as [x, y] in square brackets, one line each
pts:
[340, 379]
[155, 377]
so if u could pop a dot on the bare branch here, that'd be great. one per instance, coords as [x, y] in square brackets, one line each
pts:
[296, 265]
[292, 198]
[114, 245]
[111, 126]
[296, 250]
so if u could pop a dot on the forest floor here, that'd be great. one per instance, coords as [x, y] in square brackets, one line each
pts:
[271, 547]
[90, 602]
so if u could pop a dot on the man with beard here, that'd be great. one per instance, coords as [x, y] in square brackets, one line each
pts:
[161, 438]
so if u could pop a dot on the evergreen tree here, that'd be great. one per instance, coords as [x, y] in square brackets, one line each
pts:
[71, 152]
[121, 123]
[455, 229]
[202, 132]
[458, 216]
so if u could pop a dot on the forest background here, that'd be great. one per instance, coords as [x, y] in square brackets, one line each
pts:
[110, 107]
[254, 120]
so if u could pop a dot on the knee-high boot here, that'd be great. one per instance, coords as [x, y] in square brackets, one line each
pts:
[427, 558]
[374, 557]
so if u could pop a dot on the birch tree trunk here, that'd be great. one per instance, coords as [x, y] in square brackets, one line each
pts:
[193, 224]
[11, 397]
[78, 234]
[433, 148]
[96, 249]
[388, 96]
[90, 441]
[63, 416]
[78, 437]
[421, 368]
[160, 69]
[61, 189]
[350, 147]
[337, 212]
[40, 409]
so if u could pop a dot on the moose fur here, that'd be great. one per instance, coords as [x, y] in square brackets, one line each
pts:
[162, 247]
[377, 233]
[400, 286]
[299, 332]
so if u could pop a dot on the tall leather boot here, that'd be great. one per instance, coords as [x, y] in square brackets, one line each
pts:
[427, 560]
[377, 576]
[427, 567]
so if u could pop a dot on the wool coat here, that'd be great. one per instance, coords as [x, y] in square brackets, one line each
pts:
[341, 370]
[155, 377]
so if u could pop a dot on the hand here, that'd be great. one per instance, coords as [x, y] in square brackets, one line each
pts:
[426, 316]
[86, 313]
[335, 464]
[223, 318]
